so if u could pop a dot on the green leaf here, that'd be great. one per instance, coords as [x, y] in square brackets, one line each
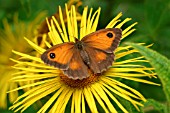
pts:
[152, 104]
[161, 65]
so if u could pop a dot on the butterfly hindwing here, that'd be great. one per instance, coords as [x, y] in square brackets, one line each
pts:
[99, 60]
[77, 69]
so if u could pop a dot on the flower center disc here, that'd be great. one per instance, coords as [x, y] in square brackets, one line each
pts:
[80, 83]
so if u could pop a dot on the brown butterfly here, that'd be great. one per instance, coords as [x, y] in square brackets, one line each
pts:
[94, 52]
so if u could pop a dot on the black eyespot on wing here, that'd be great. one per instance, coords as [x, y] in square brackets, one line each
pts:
[110, 35]
[52, 55]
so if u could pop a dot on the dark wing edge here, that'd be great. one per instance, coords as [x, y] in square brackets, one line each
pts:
[116, 41]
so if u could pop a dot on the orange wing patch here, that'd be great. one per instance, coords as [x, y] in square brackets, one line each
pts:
[99, 60]
[74, 65]
[100, 56]
[63, 53]
[100, 40]
[77, 69]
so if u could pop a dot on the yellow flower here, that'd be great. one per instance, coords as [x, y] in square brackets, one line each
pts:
[89, 93]
[12, 38]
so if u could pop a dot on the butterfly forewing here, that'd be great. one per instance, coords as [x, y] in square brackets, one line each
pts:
[59, 56]
[105, 39]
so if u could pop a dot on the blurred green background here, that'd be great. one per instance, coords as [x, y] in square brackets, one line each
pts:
[153, 17]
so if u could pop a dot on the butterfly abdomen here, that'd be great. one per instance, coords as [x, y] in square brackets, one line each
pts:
[85, 57]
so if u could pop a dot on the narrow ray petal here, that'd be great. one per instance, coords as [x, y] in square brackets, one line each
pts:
[103, 95]
[114, 21]
[90, 100]
[36, 47]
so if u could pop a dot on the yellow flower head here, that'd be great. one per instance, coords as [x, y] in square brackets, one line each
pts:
[79, 95]
[11, 37]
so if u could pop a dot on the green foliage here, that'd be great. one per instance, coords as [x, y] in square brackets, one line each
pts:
[161, 65]
[153, 23]
[152, 104]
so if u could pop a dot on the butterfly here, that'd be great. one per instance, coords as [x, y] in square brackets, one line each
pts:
[95, 51]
